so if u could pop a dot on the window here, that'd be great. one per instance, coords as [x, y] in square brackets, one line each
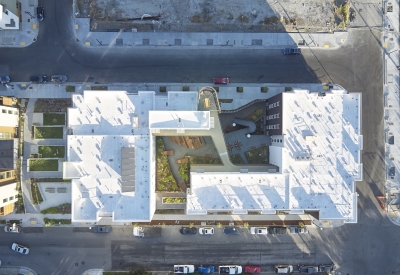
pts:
[4, 111]
[5, 200]
[1, 135]
[8, 135]
[277, 103]
[15, 112]
[1, 176]
[277, 126]
[8, 174]
[11, 198]
[10, 112]
[277, 115]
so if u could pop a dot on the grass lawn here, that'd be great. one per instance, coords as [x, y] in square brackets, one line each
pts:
[53, 119]
[258, 156]
[49, 132]
[236, 159]
[43, 165]
[52, 151]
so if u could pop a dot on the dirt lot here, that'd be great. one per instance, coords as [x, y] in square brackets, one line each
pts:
[209, 15]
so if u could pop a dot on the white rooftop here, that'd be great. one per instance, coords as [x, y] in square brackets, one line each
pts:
[180, 120]
[319, 161]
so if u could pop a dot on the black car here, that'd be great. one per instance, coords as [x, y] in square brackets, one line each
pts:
[327, 267]
[291, 51]
[231, 230]
[188, 230]
[101, 229]
[308, 269]
[277, 230]
[38, 79]
[40, 13]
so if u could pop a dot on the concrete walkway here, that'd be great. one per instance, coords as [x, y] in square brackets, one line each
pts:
[391, 95]
[20, 270]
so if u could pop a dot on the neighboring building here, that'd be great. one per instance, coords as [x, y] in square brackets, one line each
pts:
[10, 13]
[8, 191]
[8, 154]
[315, 156]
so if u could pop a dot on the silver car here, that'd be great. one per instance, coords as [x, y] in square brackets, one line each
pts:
[20, 248]
[59, 78]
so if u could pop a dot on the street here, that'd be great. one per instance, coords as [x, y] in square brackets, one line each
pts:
[368, 247]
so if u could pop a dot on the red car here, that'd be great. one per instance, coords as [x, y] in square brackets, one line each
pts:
[252, 269]
[221, 80]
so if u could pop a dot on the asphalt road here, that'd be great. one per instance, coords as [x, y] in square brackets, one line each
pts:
[369, 247]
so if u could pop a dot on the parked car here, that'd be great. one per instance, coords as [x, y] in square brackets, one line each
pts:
[206, 230]
[12, 229]
[101, 229]
[4, 80]
[277, 230]
[258, 230]
[183, 269]
[298, 230]
[188, 230]
[252, 269]
[40, 13]
[206, 269]
[291, 51]
[327, 267]
[230, 269]
[283, 268]
[20, 248]
[221, 80]
[38, 79]
[231, 230]
[308, 269]
[58, 78]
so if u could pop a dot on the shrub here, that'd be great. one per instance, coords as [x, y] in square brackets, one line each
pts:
[70, 89]
[51, 210]
[219, 225]
[301, 224]
[264, 89]
[239, 89]
[2, 222]
[163, 89]
[288, 89]
[191, 224]
[216, 89]
[246, 224]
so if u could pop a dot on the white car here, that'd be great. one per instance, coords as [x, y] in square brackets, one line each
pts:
[183, 269]
[230, 269]
[12, 229]
[283, 268]
[206, 230]
[258, 230]
[20, 248]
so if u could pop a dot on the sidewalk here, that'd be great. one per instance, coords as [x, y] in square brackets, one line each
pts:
[17, 270]
[204, 40]
[391, 109]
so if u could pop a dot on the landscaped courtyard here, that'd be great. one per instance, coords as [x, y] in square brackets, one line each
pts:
[165, 179]
[53, 119]
[43, 165]
[49, 132]
[52, 151]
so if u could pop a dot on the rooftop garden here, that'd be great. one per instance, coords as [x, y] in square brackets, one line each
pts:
[258, 155]
[165, 181]
[43, 165]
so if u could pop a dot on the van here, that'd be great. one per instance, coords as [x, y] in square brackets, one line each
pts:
[283, 268]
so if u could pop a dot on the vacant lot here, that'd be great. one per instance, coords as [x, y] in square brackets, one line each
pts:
[52, 151]
[208, 16]
[43, 165]
[53, 119]
[48, 132]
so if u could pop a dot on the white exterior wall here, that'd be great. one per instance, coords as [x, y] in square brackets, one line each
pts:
[6, 192]
[5, 18]
[8, 116]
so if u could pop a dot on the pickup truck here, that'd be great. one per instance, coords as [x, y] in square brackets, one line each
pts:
[230, 269]
[183, 269]
[139, 231]
[12, 229]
